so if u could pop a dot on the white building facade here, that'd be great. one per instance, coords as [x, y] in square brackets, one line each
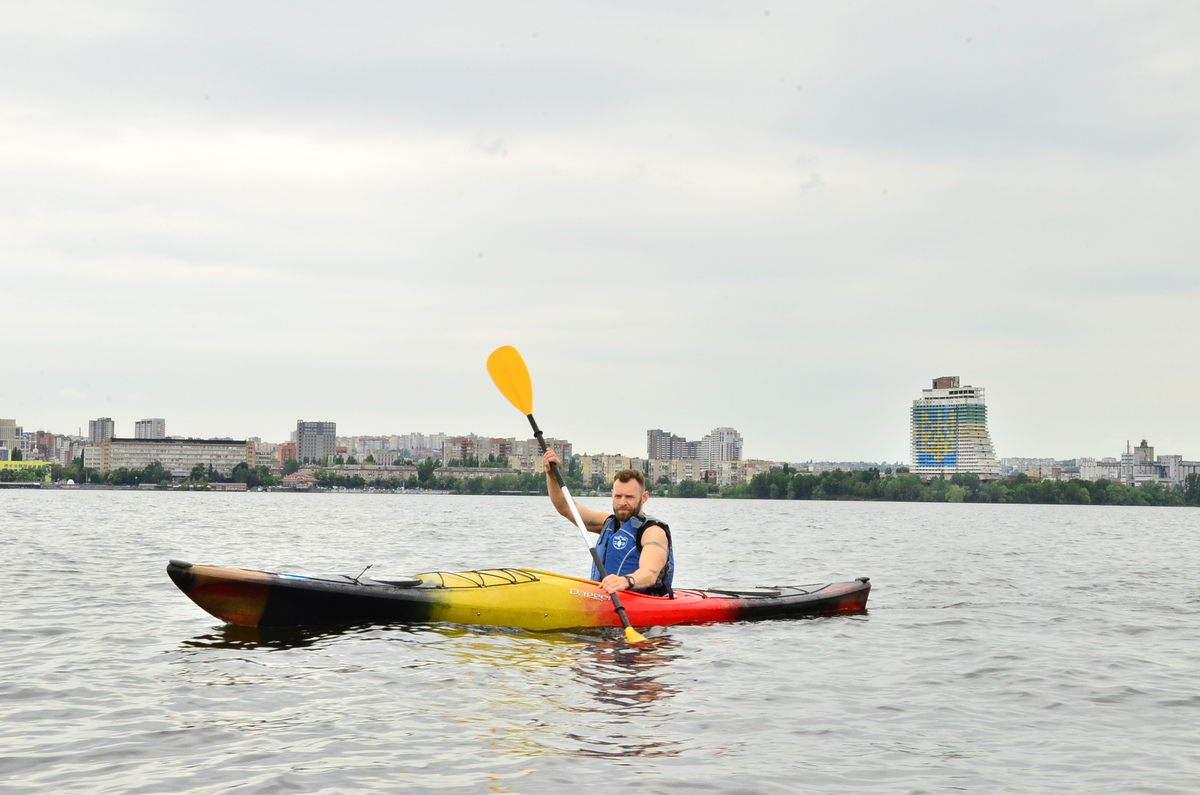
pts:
[178, 456]
[723, 444]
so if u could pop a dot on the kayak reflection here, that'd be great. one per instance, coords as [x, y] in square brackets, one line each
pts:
[232, 636]
[582, 693]
[574, 694]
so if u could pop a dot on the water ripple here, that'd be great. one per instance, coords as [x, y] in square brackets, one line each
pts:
[1008, 649]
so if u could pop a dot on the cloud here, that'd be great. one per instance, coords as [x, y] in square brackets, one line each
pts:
[233, 218]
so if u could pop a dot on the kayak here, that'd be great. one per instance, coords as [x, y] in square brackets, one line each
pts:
[525, 598]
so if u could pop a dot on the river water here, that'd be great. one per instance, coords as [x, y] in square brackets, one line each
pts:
[1006, 649]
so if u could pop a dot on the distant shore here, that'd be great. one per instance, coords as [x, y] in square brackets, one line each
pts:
[778, 484]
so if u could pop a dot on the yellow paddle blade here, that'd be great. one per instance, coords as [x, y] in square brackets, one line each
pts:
[511, 377]
[633, 636]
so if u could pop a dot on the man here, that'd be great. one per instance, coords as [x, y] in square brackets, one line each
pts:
[635, 548]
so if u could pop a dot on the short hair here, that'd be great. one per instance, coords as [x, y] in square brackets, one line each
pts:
[626, 475]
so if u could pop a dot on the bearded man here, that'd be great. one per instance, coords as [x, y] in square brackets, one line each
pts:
[635, 548]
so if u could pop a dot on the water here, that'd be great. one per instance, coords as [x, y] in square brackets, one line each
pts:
[1007, 649]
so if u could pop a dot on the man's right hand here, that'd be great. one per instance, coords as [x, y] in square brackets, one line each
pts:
[550, 457]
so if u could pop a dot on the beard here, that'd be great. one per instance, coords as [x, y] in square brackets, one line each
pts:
[624, 514]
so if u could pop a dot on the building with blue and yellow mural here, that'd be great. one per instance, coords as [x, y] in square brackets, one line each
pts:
[949, 431]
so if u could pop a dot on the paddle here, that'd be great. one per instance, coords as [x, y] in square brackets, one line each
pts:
[511, 377]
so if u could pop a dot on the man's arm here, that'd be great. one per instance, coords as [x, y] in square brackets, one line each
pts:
[650, 564]
[592, 520]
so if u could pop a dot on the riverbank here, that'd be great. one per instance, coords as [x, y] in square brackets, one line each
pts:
[778, 484]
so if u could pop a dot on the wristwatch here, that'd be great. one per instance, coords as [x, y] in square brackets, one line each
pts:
[632, 582]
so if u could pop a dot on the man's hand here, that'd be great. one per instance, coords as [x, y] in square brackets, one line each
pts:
[593, 521]
[614, 583]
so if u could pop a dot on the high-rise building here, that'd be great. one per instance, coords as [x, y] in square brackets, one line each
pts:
[10, 435]
[100, 429]
[723, 444]
[949, 432]
[664, 445]
[315, 440]
[150, 429]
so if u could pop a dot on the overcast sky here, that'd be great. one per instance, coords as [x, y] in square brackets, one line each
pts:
[786, 218]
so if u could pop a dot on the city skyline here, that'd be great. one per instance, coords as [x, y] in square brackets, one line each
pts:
[95, 429]
[1104, 443]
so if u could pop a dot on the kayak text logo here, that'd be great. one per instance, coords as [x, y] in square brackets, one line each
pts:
[589, 595]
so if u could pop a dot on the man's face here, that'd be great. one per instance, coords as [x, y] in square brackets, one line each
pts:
[628, 499]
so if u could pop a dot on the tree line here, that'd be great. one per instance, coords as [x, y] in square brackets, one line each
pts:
[783, 483]
[428, 479]
[787, 484]
[155, 473]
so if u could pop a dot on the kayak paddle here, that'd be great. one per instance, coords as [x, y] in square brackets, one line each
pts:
[511, 377]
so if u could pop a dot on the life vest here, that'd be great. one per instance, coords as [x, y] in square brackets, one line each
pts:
[620, 548]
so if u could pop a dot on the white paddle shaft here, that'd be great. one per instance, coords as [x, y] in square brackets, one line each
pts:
[575, 515]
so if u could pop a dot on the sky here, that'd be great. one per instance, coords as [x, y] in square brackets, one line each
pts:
[784, 218]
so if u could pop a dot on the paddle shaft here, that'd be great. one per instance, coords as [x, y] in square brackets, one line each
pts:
[620, 608]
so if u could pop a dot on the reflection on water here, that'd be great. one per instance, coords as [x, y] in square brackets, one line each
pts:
[583, 693]
[573, 694]
[232, 636]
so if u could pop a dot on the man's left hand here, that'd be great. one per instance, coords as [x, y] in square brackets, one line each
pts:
[614, 583]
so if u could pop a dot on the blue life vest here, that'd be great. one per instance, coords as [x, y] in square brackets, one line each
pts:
[620, 548]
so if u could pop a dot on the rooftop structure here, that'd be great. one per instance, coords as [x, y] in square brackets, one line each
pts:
[949, 433]
[155, 428]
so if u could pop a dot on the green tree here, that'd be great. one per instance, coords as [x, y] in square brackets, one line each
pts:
[290, 466]
[803, 486]
[24, 474]
[1191, 489]
[156, 473]
[370, 459]
[690, 488]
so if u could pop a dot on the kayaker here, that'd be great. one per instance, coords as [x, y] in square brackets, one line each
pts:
[635, 548]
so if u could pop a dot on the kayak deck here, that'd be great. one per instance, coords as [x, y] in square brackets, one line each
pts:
[510, 597]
